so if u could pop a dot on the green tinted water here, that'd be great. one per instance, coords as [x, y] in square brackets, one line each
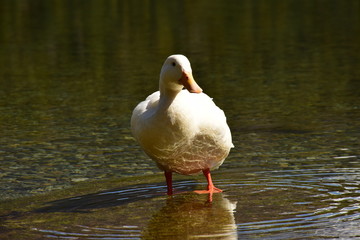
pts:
[286, 73]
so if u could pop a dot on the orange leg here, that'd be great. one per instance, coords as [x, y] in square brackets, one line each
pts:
[210, 188]
[168, 176]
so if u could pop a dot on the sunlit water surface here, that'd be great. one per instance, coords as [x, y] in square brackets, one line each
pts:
[286, 74]
[282, 204]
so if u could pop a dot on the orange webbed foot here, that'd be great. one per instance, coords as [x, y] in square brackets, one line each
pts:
[211, 190]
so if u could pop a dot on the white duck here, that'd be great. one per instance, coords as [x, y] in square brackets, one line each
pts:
[183, 131]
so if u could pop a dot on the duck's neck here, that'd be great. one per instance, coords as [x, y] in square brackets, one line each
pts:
[168, 92]
[167, 96]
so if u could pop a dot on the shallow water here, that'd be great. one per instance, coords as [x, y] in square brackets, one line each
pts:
[281, 204]
[286, 74]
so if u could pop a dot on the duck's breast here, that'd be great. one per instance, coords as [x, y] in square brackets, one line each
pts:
[188, 136]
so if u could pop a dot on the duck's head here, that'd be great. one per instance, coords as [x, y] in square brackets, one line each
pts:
[176, 74]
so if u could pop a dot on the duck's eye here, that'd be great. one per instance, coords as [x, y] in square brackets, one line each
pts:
[173, 63]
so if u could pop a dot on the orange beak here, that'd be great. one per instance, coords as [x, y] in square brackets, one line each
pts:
[189, 83]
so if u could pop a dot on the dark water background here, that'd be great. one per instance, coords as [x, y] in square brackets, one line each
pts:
[286, 73]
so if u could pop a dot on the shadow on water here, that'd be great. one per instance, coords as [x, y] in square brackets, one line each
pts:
[113, 197]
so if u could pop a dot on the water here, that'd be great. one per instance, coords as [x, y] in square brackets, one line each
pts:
[281, 204]
[286, 74]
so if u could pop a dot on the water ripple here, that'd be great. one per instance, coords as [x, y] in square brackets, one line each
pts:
[311, 200]
[289, 204]
[122, 232]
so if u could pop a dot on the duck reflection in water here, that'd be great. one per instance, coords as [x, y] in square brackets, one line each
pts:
[188, 216]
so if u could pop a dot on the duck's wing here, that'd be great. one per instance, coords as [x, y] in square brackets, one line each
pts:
[143, 110]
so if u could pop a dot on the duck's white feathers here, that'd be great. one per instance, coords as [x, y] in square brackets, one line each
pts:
[185, 134]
